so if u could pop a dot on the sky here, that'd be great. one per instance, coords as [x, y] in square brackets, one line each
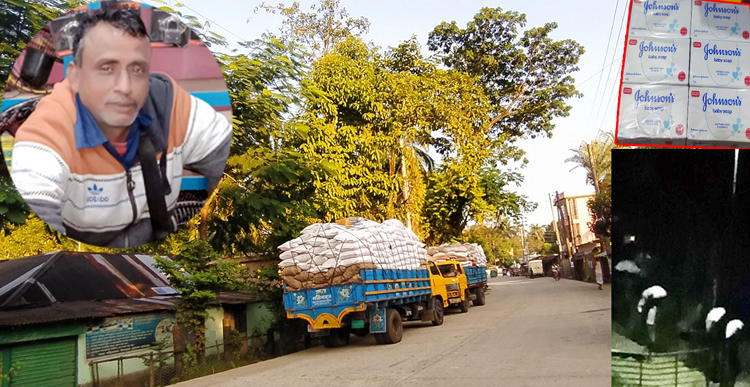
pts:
[594, 24]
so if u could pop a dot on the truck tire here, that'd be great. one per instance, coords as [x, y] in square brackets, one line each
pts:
[379, 338]
[338, 337]
[438, 314]
[394, 329]
[479, 301]
[464, 305]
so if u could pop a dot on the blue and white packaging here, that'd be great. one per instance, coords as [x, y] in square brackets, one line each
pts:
[719, 63]
[720, 21]
[657, 60]
[719, 117]
[667, 19]
[652, 114]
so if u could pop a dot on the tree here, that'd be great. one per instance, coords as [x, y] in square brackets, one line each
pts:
[535, 239]
[500, 245]
[319, 30]
[600, 207]
[267, 194]
[596, 159]
[527, 78]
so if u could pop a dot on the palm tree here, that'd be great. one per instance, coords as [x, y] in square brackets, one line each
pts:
[596, 158]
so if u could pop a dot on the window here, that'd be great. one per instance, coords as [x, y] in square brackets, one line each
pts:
[235, 317]
[574, 210]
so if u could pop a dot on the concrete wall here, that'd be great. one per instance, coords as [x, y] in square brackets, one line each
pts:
[214, 329]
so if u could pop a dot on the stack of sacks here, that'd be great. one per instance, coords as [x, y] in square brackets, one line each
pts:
[469, 254]
[333, 254]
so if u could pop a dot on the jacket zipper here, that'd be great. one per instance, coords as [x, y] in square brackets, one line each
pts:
[131, 188]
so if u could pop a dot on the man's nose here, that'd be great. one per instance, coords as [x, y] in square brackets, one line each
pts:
[123, 83]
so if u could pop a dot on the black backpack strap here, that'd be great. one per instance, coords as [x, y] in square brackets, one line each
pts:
[155, 190]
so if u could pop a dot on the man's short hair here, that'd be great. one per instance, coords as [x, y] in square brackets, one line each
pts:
[122, 19]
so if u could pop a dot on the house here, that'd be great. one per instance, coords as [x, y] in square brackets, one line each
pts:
[64, 314]
[578, 242]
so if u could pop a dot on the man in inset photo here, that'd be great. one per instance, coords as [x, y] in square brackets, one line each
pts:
[101, 158]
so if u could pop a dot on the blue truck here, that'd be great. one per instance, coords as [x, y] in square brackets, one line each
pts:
[476, 281]
[377, 304]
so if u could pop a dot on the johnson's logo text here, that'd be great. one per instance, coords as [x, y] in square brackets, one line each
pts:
[645, 97]
[712, 7]
[653, 6]
[737, 101]
[717, 51]
[651, 47]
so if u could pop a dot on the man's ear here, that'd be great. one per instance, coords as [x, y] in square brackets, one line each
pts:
[72, 75]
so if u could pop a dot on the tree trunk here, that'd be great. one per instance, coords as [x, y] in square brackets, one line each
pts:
[406, 185]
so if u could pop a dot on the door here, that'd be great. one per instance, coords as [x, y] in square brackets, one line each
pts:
[45, 363]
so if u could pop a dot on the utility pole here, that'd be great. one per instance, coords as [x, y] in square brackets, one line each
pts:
[554, 221]
[523, 240]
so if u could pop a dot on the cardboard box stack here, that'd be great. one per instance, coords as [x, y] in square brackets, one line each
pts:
[654, 92]
[686, 74]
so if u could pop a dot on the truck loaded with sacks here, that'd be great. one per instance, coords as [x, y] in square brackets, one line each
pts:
[361, 277]
[473, 261]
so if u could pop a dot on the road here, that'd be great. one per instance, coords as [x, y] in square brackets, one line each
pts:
[531, 332]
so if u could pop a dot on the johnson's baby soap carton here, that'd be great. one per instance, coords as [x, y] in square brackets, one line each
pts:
[657, 60]
[660, 18]
[719, 63]
[720, 21]
[719, 117]
[652, 114]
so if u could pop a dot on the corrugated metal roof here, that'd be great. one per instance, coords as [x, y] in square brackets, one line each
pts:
[78, 310]
[72, 277]
[66, 286]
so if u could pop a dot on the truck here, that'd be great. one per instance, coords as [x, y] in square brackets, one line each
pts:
[536, 268]
[476, 280]
[377, 304]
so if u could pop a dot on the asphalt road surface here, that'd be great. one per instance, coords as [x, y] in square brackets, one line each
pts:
[531, 332]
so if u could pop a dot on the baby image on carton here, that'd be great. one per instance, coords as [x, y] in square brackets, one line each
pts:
[716, 117]
[652, 114]
[666, 19]
[720, 21]
[657, 60]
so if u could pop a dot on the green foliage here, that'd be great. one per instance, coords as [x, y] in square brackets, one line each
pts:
[12, 371]
[320, 29]
[596, 159]
[600, 207]
[13, 209]
[527, 77]
[500, 244]
[198, 275]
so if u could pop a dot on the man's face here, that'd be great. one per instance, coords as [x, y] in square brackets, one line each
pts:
[113, 79]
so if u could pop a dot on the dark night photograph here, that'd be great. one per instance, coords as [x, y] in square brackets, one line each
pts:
[681, 278]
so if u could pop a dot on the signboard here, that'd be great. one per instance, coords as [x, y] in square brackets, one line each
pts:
[7, 145]
[549, 237]
[126, 334]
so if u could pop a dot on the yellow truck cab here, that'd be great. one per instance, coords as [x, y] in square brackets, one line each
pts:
[449, 284]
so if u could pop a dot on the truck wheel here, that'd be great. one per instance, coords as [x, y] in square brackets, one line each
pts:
[464, 305]
[338, 337]
[479, 301]
[438, 314]
[395, 328]
[379, 338]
